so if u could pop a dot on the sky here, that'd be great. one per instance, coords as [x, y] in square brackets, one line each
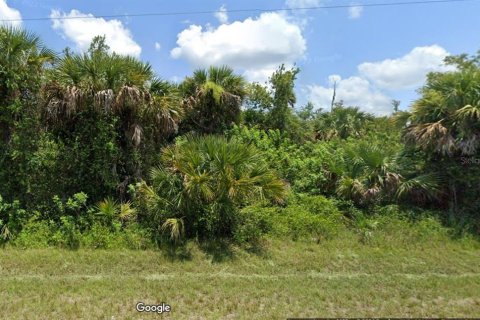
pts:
[372, 54]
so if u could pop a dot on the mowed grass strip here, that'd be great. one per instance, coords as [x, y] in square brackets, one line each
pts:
[287, 279]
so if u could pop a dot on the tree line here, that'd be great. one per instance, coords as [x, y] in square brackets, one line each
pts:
[99, 136]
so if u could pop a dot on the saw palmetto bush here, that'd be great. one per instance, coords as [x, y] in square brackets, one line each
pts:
[202, 184]
[374, 174]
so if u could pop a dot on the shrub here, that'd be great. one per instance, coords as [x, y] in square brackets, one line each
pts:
[306, 217]
[254, 222]
[394, 226]
[35, 234]
[309, 168]
[12, 218]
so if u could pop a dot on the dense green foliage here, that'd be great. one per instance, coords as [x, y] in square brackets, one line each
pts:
[97, 151]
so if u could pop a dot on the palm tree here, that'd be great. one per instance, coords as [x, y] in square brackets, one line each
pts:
[444, 126]
[213, 99]
[110, 110]
[110, 83]
[445, 120]
[22, 59]
[373, 173]
[341, 122]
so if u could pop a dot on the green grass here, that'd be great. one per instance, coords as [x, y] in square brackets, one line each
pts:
[285, 279]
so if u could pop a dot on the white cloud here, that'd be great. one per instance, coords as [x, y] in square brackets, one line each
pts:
[222, 14]
[355, 12]
[158, 46]
[408, 71]
[82, 31]
[302, 3]
[300, 16]
[8, 13]
[353, 91]
[255, 45]
[370, 89]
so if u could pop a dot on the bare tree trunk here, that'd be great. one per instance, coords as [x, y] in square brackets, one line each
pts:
[334, 95]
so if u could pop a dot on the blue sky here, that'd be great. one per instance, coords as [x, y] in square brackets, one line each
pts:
[373, 54]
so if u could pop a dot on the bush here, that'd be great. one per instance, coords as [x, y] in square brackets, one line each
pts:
[395, 226]
[306, 217]
[35, 234]
[309, 167]
[12, 219]
[102, 237]
[254, 222]
[203, 183]
[43, 234]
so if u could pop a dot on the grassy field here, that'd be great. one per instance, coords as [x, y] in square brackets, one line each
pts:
[285, 279]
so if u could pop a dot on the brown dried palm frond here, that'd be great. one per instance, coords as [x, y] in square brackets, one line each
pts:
[63, 102]
[470, 145]
[129, 97]
[167, 112]
[188, 103]
[103, 100]
[392, 180]
[431, 135]
[230, 100]
[137, 134]
[371, 193]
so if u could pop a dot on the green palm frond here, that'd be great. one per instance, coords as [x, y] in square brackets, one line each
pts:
[108, 207]
[127, 212]
[426, 186]
[469, 112]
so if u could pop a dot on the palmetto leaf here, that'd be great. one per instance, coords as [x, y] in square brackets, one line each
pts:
[426, 186]
[176, 228]
[5, 232]
[469, 112]
[108, 208]
[127, 212]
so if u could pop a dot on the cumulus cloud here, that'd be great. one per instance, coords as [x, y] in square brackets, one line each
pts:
[255, 45]
[353, 91]
[82, 31]
[355, 12]
[8, 13]
[222, 14]
[376, 81]
[158, 46]
[406, 72]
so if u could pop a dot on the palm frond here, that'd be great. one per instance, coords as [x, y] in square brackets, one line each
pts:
[176, 228]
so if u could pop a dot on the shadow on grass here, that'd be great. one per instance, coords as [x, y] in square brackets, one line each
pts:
[219, 250]
[176, 252]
